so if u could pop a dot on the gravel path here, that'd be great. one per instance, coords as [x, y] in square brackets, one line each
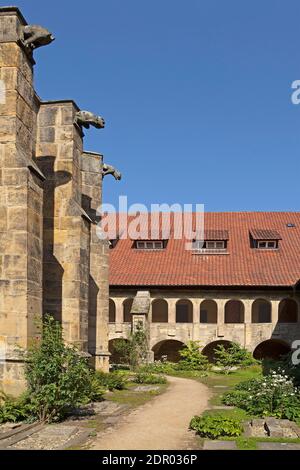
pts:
[161, 424]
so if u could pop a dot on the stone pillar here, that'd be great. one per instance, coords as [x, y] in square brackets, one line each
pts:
[221, 318]
[99, 262]
[21, 203]
[66, 224]
[196, 310]
[275, 311]
[119, 310]
[248, 323]
[172, 310]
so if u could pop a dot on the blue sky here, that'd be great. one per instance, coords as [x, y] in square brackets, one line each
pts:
[196, 95]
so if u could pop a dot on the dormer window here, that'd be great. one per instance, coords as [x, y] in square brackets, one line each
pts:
[149, 245]
[264, 239]
[209, 245]
[215, 245]
[267, 245]
[211, 242]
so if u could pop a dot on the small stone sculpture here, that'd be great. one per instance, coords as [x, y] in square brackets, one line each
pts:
[87, 119]
[36, 36]
[110, 170]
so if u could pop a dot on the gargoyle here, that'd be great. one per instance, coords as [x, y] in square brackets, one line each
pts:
[110, 170]
[87, 119]
[36, 36]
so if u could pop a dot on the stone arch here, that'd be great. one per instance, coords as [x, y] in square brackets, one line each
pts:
[261, 311]
[234, 311]
[160, 311]
[112, 311]
[184, 311]
[271, 349]
[116, 357]
[168, 349]
[208, 311]
[127, 304]
[288, 311]
[209, 352]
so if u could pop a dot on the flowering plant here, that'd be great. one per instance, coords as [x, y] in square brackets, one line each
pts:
[273, 395]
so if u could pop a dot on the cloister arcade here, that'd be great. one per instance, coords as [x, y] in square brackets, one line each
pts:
[264, 324]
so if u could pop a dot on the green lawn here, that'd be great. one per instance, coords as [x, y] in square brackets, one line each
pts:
[130, 397]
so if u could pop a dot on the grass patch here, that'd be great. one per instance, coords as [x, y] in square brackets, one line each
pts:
[235, 413]
[233, 378]
[251, 443]
[134, 399]
[244, 443]
[214, 379]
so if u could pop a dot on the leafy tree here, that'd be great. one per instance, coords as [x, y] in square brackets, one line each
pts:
[192, 358]
[232, 356]
[58, 378]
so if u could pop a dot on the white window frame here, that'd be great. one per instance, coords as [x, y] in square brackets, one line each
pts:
[149, 245]
[266, 244]
[213, 244]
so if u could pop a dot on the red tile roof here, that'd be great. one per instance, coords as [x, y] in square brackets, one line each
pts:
[242, 266]
[215, 235]
[263, 234]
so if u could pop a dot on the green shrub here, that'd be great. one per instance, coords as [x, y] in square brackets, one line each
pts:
[215, 426]
[15, 409]
[232, 356]
[235, 398]
[192, 358]
[97, 390]
[283, 365]
[58, 378]
[110, 381]
[272, 395]
[159, 367]
[146, 378]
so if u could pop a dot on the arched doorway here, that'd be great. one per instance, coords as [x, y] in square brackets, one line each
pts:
[168, 349]
[184, 311]
[209, 349]
[208, 311]
[116, 357]
[261, 311]
[112, 311]
[159, 311]
[288, 311]
[127, 304]
[271, 349]
[234, 311]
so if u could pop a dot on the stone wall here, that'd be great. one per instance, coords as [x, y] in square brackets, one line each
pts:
[66, 224]
[21, 203]
[51, 260]
[98, 279]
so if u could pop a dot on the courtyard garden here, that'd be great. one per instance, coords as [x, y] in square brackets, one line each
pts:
[246, 402]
